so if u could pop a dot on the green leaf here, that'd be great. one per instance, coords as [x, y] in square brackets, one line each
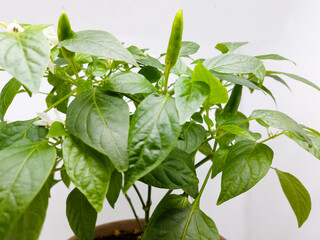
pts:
[189, 97]
[153, 133]
[115, 187]
[8, 92]
[234, 129]
[229, 47]
[296, 194]
[65, 178]
[89, 170]
[152, 74]
[274, 57]
[191, 137]
[37, 133]
[102, 122]
[175, 172]
[295, 77]
[180, 68]
[281, 121]
[12, 132]
[247, 163]
[218, 161]
[129, 83]
[236, 64]
[314, 149]
[81, 215]
[98, 68]
[98, 43]
[218, 92]
[30, 223]
[235, 79]
[56, 130]
[25, 166]
[151, 62]
[25, 56]
[175, 218]
[188, 48]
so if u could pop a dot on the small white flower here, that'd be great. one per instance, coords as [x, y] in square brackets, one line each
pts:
[51, 66]
[46, 120]
[14, 27]
[51, 36]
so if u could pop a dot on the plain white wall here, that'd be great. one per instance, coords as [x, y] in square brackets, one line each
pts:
[287, 27]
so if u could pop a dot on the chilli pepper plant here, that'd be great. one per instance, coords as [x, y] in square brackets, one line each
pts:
[180, 111]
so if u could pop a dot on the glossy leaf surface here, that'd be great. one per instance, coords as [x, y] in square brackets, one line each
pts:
[25, 56]
[8, 92]
[247, 163]
[25, 166]
[89, 170]
[153, 133]
[296, 194]
[102, 122]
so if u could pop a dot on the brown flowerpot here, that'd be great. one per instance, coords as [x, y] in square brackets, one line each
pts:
[108, 229]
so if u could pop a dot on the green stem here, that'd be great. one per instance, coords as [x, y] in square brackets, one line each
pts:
[197, 200]
[209, 128]
[272, 137]
[203, 161]
[166, 79]
[47, 110]
[132, 98]
[134, 211]
[139, 195]
[75, 70]
[149, 202]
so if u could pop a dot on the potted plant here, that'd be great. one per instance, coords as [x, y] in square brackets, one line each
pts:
[180, 109]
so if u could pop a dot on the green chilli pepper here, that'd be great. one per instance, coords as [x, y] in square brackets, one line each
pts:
[234, 100]
[65, 31]
[174, 45]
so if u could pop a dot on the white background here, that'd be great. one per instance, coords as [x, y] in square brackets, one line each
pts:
[287, 27]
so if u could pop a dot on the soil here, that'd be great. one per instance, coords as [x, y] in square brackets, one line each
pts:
[122, 236]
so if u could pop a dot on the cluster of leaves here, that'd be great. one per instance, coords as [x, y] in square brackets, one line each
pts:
[105, 147]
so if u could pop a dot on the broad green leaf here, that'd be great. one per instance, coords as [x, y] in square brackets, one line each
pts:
[151, 62]
[25, 166]
[247, 163]
[25, 56]
[218, 161]
[190, 95]
[234, 129]
[98, 43]
[188, 48]
[89, 170]
[30, 223]
[229, 47]
[81, 215]
[314, 149]
[56, 130]
[281, 121]
[152, 74]
[13, 132]
[295, 77]
[65, 178]
[274, 57]
[115, 187]
[153, 133]
[236, 64]
[180, 68]
[129, 83]
[175, 218]
[97, 68]
[8, 92]
[37, 133]
[296, 194]
[191, 137]
[235, 79]
[102, 122]
[136, 52]
[175, 172]
[218, 92]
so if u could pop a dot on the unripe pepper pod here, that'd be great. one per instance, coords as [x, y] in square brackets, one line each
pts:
[174, 45]
[234, 100]
[64, 31]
